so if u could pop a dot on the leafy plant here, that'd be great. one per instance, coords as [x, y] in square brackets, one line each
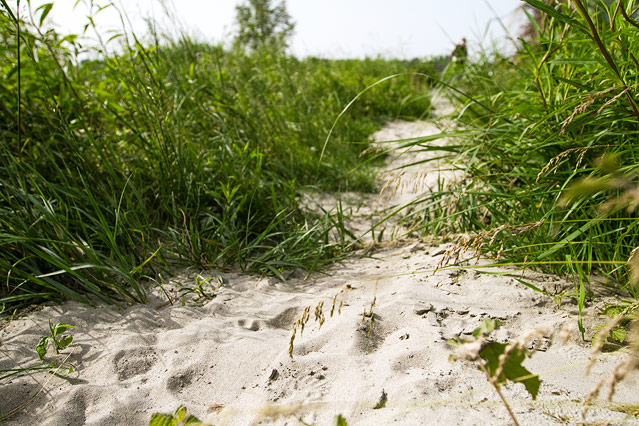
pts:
[203, 290]
[623, 312]
[499, 361]
[177, 418]
[60, 341]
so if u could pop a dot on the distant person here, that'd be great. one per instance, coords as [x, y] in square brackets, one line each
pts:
[460, 52]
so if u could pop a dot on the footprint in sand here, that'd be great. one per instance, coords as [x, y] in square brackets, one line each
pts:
[74, 410]
[314, 382]
[370, 335]
[308, 380]
[415, 360]
[129, 363]
[283, 321]
[249, 325]
[177, 383]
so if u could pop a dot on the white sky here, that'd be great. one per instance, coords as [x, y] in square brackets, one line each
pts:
[327, 28]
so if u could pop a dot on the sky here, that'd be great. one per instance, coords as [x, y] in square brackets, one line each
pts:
[327, 28]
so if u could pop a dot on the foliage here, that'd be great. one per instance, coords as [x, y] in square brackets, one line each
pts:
[623, 313]
[172, 154]
[549, 149]
[512, 369]
[340, 421]
[60, 341]
[260, 22]
[177, 418]
[500, 362]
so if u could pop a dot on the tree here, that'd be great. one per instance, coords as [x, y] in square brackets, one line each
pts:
[260, 22]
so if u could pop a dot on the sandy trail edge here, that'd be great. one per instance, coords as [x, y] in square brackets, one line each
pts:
[228, 361]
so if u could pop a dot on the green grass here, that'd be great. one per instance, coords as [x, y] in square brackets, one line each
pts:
[177, 153]
[550, 148]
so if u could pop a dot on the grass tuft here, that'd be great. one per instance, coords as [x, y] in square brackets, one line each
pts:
[550, 148]
[115, 167]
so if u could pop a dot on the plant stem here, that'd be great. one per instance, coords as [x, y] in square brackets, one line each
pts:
[493, 381]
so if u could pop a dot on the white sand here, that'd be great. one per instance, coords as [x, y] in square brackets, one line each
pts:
[228, 360]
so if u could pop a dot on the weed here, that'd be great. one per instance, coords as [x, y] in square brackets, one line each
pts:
[627, 311]
[500, 362]
[370, 315]
[203, 290]
[9, 372]
[177, 418]
[547, 150]
[340, 421]
[60, 342]
[174, 153]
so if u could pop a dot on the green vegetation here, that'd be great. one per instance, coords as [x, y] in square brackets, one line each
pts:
[115, 168]
[177, 418]
[60, 341]
[260, 22]
[500, 362]
[550, 148]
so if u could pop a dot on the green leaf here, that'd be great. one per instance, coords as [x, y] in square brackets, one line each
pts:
[382, 401]
[487, 326]
[42, 347]
[618, 334]
[69, 38]
[531, 286]
[64, 342]
[158, 419]
[340, 421]
[513, 370]
[613, 311]
[61, 328]
[179, 414]
[551, 11]
[46, 8]
[116, 36]
[175, 419]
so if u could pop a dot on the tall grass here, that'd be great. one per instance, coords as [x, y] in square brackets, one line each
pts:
[170, 154]
[551, 146]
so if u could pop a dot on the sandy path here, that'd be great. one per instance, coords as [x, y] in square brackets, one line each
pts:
[228, 362]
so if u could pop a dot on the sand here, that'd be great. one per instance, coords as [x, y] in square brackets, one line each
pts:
[227, 359]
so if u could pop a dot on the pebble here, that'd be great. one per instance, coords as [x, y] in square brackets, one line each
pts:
[274, 375]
